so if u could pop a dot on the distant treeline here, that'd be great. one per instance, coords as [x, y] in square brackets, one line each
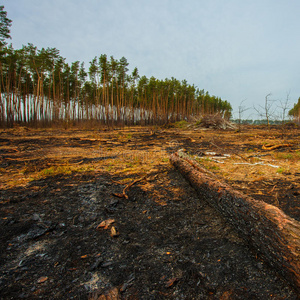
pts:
[259, 122]
[38, 87]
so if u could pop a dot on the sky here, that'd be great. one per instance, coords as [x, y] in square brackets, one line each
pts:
[238, 50]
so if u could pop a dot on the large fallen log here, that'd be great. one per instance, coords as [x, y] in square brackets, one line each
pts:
[265, 227]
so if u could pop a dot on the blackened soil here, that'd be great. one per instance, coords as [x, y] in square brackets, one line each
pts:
[175, 247]
[52, 235]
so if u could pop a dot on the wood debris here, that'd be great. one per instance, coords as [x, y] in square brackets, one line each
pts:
[171, 282]
[215, 121]
[105, 224]
[114, 232]
[113, 294]
[42, 279]
[272, 147]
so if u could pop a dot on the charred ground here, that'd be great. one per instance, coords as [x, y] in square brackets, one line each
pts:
[165, 242]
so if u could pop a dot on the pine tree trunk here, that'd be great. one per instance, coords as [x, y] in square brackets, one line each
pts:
[266, 228]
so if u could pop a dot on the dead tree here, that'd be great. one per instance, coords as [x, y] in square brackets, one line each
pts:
[265, 227]
[242, 109]
[284, 106]
[266, 111]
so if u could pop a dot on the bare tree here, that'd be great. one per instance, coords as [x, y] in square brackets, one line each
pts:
[241, 110]
[284, 107]
[266, 111]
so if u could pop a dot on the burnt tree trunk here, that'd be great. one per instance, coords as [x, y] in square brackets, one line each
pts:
[272, 233]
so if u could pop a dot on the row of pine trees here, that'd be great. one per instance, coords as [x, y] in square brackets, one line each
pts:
[39, 88]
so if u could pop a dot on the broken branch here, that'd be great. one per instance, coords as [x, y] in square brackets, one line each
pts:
[272, 147]
[124, 195]
[258, 164]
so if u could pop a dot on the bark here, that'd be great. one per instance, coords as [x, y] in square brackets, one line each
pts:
[265, 227]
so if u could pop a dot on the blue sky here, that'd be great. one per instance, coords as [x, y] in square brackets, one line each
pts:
[237, 50]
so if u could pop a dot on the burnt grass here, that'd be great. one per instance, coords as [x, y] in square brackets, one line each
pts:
[167, 243]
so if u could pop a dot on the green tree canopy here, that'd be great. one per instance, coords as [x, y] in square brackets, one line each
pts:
[38, 86]
[5, 23]
[296, 109]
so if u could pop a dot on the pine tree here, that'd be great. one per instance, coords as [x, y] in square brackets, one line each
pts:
[5, 23]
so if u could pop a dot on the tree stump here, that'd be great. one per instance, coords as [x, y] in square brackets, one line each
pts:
[265, 227]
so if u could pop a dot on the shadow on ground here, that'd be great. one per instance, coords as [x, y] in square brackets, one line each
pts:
[175, 247]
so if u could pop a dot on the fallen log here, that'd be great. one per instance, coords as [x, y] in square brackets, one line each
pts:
[265, 227]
